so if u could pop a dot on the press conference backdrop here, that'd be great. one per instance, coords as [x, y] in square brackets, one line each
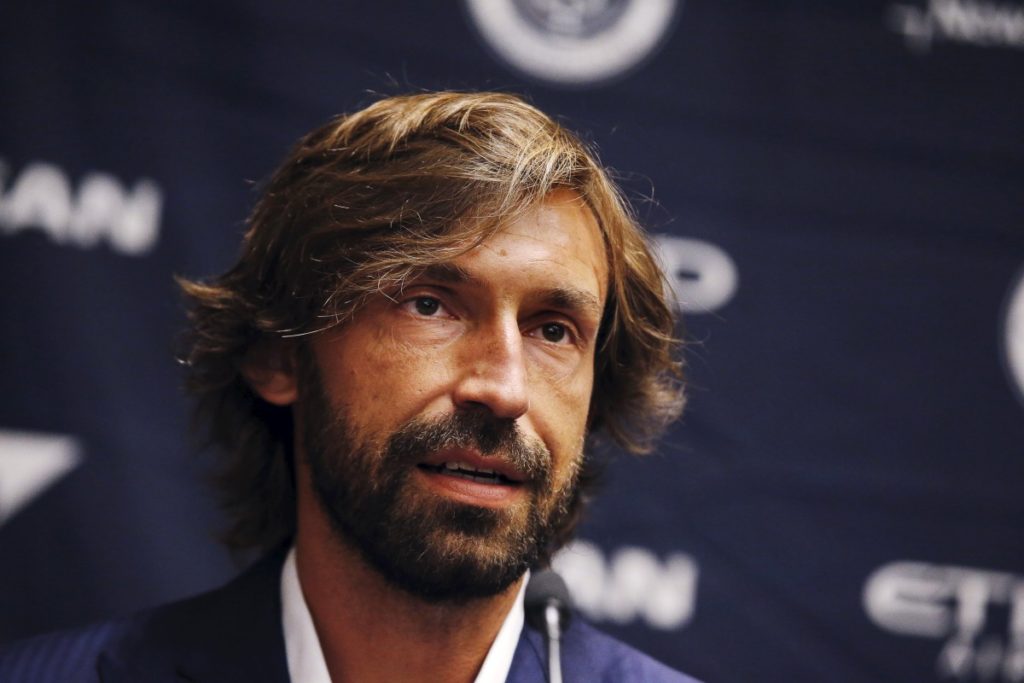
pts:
[835, 188]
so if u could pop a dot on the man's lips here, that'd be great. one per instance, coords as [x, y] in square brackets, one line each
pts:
[471, 465]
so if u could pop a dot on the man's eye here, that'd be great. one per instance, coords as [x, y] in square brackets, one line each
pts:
[426, 305]
[554, 332]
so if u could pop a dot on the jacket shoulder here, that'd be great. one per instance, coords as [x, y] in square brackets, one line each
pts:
[610, 659]
[61, 657]
[589, 656]
[232, 633]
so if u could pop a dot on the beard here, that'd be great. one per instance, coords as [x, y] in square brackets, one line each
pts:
[429, 546]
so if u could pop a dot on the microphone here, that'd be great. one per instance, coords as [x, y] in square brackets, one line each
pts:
[548, 609]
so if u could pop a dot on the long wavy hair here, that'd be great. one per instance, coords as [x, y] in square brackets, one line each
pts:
[361, 204]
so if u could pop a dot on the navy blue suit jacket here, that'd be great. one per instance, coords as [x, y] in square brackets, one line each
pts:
[234, 635]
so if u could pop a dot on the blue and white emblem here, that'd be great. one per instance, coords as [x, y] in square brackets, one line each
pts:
[1013, 334]
[573, 42]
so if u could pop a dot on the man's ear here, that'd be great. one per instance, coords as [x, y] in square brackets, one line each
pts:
[269, 369]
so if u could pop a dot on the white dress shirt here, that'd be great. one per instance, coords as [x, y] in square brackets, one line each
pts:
[306, 660]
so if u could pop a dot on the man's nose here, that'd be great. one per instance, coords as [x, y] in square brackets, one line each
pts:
[493, 372]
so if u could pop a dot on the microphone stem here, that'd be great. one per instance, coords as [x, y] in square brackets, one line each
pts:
[551, 620]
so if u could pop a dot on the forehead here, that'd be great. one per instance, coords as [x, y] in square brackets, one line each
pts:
[556, 240]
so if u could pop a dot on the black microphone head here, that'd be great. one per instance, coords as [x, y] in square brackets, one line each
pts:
[545, 588]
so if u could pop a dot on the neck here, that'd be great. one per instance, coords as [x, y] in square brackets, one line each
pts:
[370, 630]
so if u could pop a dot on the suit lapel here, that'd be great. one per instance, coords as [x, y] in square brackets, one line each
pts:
[237, 635]
[230, 635]
[528, 662]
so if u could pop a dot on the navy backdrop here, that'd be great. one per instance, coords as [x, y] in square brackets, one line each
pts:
[837, 194]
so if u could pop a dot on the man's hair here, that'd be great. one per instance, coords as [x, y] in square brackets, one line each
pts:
[362, 204]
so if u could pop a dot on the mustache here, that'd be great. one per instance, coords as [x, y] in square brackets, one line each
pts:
[491, 436]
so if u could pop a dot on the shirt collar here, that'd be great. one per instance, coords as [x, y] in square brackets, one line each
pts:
[306, 659]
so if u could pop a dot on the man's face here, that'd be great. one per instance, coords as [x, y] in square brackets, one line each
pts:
[443, 426]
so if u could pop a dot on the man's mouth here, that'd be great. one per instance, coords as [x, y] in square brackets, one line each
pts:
[463, 470]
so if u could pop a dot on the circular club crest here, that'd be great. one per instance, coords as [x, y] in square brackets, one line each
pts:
[573, 42]
[1013, 334]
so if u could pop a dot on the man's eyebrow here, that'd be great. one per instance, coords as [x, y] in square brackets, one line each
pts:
[563, 298]
[572, 299]
[445, 272]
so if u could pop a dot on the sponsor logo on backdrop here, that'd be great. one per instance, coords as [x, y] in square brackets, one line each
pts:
[573, 42]
[974, 22]
[1013, 334]
[630, 584]
[42, 197]
[29, 464]
[977, 614]
[703, 277]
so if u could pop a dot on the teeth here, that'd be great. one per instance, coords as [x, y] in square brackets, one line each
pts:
[453, 466]
[457, 468]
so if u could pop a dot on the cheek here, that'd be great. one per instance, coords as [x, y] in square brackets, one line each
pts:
[567, 404]
[382, 379]
[558, 366]
[567, 379]
[419, 335]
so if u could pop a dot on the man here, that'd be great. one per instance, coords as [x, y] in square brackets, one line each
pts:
[440, 300]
